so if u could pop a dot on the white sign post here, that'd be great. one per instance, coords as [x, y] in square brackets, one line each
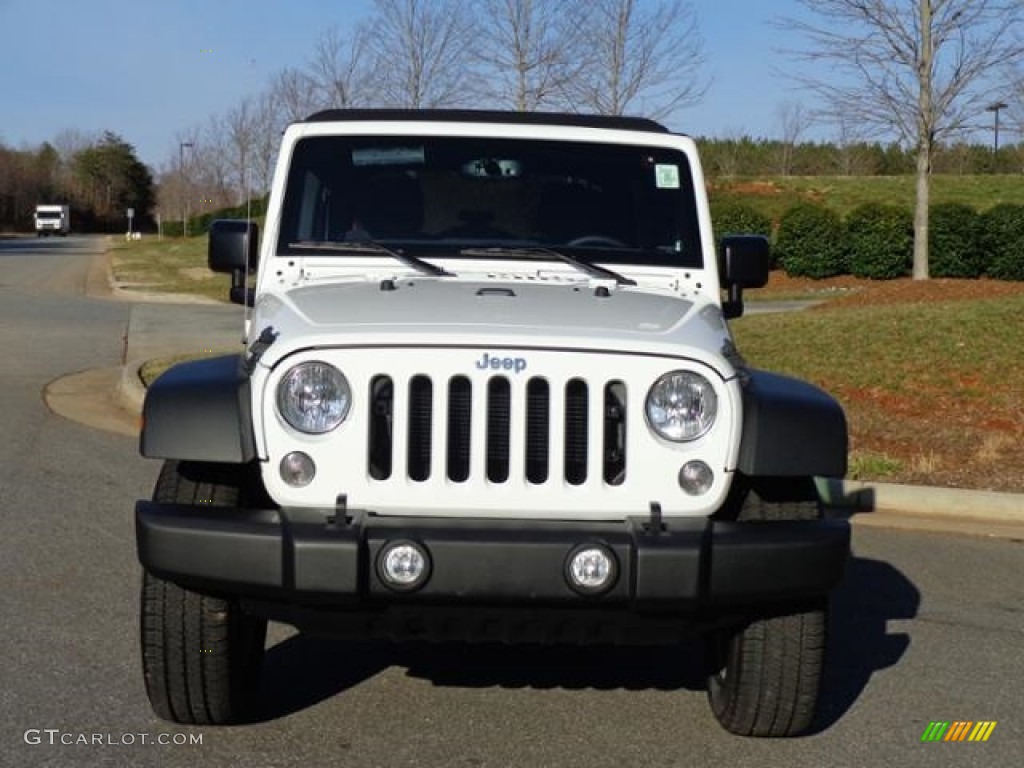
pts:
[131, 215]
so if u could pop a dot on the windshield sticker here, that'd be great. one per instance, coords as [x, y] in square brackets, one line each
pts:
[388, 156]
[666, 176]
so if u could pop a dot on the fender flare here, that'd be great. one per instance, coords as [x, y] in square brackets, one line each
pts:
[790, 428]
[200, 411]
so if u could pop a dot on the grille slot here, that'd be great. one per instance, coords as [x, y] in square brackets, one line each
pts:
[381, 427]
[576, 423]
[460, 416]
[615, 433]
[421, 399]
[499, 407]
[538, 426]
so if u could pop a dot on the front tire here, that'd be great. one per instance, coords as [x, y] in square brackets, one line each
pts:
[764, 677]
[201, 655]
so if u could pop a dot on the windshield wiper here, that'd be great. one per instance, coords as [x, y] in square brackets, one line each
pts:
[540, 252]
[369, 246]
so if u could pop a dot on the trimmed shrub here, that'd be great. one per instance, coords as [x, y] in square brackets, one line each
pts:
[171, 228]
[733, 218]
[880, 241]
[1003, 241]
[810, 242]
[954, 247]
[200, 225]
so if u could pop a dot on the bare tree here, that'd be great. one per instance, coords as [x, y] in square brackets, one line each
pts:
[68, 143]
[727, 157]
[214, 155]
[642, 58]
[420, 52]
[268, 123]
[340, 70]
[919, 69]
[1016, 102]
[179, 185]
[295, 93]
[793, 123]
[527, 51]
[849, 146]
[238, 128]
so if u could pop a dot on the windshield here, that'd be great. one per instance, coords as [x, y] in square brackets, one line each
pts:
[49, 214]
[455, 196]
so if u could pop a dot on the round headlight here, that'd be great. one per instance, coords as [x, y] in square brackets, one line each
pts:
[681, 406]
[314, 397]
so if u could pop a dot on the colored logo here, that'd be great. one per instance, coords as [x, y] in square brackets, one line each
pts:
[958, 730]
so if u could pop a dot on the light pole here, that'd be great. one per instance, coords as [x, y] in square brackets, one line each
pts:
[181, 172]
[994, 108]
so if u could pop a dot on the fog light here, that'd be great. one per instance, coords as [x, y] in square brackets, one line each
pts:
[297, 469]
[696, 478]
[591, 569]
[403, 565]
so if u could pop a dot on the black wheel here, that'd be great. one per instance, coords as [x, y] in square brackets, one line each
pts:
[764, 677]
[201, 655]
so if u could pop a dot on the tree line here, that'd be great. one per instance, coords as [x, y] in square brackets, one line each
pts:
[749, 157]
[99, 176]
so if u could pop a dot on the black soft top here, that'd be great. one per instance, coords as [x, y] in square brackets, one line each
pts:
[489, 116]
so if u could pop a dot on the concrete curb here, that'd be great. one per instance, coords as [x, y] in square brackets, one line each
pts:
[130, 392]
[922, 501]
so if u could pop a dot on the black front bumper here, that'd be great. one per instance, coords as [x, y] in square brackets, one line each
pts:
[306, 557]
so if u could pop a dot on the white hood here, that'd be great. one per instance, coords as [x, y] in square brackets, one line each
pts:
[509, 314]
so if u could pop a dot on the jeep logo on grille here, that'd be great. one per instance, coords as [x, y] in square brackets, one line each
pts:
[491, 362]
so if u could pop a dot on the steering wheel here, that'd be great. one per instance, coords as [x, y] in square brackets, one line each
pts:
[596, 241]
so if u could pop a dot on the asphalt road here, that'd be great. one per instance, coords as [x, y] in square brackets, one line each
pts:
[926, 627]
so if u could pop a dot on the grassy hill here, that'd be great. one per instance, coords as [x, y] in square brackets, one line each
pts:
[773, 195]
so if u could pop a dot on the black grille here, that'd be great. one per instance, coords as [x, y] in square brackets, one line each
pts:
[498, 394]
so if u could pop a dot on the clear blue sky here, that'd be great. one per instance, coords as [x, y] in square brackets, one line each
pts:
[148, 68]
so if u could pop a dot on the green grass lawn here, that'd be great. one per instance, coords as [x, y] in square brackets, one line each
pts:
[934, 393]
[173, 265]
[773, 195]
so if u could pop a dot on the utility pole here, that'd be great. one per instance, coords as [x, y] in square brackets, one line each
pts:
[185, 191]
[994, 108]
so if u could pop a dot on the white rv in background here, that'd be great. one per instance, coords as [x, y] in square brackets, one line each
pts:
[53, 220]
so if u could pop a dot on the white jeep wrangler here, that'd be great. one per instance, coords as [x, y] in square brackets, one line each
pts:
[489, 394]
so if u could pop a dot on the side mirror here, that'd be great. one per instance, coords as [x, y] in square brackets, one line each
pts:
[744, 262]
[234, 248]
